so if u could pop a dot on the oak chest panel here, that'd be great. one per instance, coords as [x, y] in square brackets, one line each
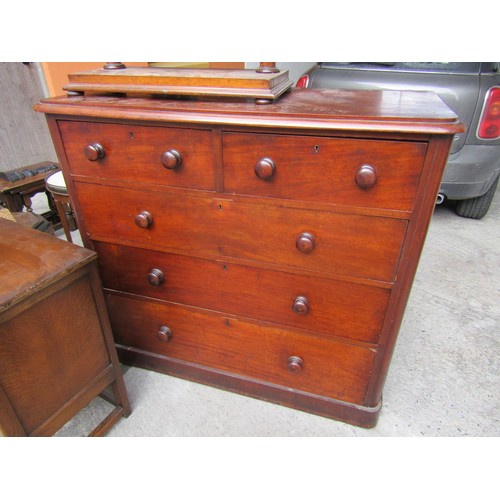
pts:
[56, 347]
[268, 250]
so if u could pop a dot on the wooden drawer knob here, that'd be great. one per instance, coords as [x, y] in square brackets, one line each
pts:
[94, 152]
[155, 277]
[366, 177]
[171, 159]
[300, 305]
[305, 243]
[164, 333]
[295, 364]
[143, 219]
[265, 168]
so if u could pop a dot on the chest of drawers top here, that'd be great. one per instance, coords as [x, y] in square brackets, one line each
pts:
[369, 111]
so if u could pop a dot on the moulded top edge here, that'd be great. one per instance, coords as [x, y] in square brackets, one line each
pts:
[405, 111]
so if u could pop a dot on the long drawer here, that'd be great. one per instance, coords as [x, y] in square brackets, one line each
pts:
[327, 306]
[330, 243]
[323, 367]
[138, 153]
[366, 173]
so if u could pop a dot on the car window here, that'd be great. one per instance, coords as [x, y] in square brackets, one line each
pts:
[447, 67]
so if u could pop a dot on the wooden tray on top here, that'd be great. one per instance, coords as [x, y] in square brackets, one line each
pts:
[264, 84]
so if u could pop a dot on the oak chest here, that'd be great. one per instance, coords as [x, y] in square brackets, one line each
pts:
[265, 249]
[56, 347]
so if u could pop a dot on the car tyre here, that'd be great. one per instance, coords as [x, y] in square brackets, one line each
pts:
[477, 208]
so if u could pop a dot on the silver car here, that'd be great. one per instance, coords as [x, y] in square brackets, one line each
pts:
[470, 89]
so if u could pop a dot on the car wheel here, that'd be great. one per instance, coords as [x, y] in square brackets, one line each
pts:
[476, 208]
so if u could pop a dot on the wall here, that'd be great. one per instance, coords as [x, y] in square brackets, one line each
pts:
[24, 135]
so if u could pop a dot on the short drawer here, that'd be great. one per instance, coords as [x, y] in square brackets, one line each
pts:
[146, 154]
[330, 243]
[323, 367]
[355, 172]
[331, 307]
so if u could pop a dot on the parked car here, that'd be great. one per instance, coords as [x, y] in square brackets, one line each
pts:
[470, 89]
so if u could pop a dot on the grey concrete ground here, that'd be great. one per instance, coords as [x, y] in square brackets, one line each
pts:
[444, 379]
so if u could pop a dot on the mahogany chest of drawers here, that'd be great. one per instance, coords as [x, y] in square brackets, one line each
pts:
[264, 249]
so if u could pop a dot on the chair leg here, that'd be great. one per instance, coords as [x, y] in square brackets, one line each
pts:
[64, 221]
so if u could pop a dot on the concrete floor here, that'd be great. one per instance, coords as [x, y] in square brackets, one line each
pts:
[444, 379]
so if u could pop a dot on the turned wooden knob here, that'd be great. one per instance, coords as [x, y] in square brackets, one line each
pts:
[305, 243]
[267, 67]
[114, 65]
[155, 277]
[94, 152]
[295, 364]
[164, 333]
[143, 219]
[366, 177]
[171, 159]
[265, 168]
[300, 305]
